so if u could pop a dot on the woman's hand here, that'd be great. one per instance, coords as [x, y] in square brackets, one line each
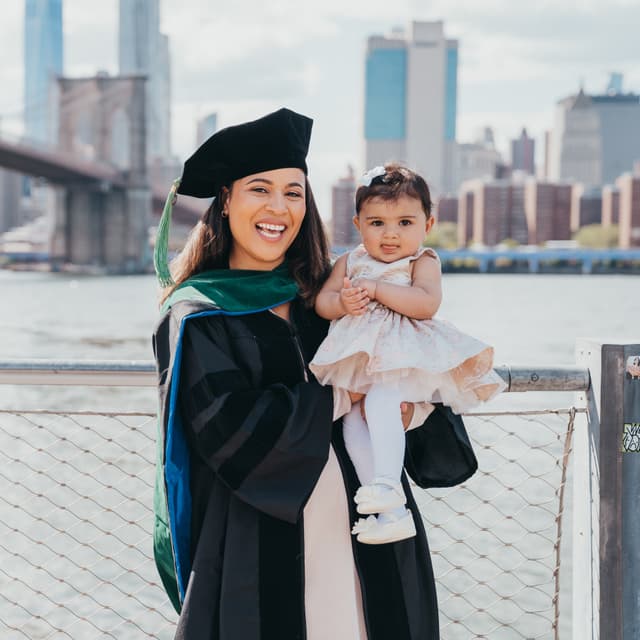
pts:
[355, 397]
[354, 300]
[406, 410]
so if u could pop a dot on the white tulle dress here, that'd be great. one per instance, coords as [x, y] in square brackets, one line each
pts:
[430, 360]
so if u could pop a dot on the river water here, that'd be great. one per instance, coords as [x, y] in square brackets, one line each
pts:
[529, 319]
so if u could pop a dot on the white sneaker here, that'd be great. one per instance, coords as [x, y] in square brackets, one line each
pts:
[391, 528]
[382, 495]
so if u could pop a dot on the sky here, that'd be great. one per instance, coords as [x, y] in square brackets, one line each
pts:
[244, 58]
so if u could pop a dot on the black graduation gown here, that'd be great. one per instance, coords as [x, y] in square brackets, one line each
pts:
[258, 428]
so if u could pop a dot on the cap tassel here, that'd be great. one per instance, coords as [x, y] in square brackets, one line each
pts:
[160, 261]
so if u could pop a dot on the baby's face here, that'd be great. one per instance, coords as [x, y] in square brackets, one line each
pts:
[392, 229]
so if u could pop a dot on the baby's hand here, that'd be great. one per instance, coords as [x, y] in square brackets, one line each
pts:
[368, 285]
[354, 300]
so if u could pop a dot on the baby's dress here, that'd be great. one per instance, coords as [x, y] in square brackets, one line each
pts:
[430, 360]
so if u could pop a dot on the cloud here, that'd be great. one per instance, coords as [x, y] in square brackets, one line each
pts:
[204, 38]
[503, 41]
[250, 77]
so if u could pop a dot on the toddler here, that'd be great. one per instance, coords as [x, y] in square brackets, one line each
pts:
[385, 343]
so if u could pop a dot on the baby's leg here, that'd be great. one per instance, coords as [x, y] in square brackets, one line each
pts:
[358, 443]
[385, 494]
[382, 408]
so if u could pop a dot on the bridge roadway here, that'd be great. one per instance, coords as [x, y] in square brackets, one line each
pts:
[67, 169]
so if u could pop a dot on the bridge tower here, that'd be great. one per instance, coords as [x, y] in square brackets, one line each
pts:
[105, 225]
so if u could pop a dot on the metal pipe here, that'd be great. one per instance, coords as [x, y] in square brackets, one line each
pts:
[142, 373]
[82, 373]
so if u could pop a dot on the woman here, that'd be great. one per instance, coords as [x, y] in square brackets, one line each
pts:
[252, 534]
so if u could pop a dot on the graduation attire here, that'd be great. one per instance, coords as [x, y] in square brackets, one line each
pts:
[258, 438]
[245, 434]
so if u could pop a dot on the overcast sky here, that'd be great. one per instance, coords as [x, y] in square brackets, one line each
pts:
[245, 58]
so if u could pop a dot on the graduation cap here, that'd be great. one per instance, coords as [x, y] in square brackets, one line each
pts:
[276, 141]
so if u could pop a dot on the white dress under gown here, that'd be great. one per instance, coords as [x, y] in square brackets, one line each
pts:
[430, 360]
[333, 600]
[332, 595]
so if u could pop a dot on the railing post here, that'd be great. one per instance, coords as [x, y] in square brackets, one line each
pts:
[606, 552]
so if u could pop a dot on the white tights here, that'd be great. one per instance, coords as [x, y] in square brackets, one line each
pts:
[376, 447]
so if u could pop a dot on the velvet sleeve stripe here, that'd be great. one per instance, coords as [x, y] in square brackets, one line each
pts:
[209, 409]
[265, 432]
[218, 423]
[215, 384]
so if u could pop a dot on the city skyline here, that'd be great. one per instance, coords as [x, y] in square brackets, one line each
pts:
[244, 62]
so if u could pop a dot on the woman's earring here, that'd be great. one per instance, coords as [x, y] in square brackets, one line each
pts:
[225, 213]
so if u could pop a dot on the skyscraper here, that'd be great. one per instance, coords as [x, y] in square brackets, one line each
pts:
[523, 153]
[144, 50]
[43, 62]
[576, 144]
[596, 137]
[411, 101]
[343, 198]
[619, 116]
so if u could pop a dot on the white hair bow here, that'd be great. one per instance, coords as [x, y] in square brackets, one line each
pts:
[367, 177]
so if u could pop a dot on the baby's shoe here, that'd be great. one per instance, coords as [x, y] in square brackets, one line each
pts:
[382, 494]
[389, 527]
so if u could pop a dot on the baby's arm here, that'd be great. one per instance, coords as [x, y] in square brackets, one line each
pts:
[337, 297]
[421, 300]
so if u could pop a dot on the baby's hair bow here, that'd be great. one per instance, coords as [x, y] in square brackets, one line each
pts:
[368, 177]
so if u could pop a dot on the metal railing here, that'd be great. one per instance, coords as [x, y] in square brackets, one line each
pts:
[76, 515]
[120, 373]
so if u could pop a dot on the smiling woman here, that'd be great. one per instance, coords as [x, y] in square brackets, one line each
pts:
[252, 532]
[251, 189]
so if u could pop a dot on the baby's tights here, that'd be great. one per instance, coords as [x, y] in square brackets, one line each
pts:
[376, 447]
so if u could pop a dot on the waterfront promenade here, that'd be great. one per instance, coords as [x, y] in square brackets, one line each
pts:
[75, 507]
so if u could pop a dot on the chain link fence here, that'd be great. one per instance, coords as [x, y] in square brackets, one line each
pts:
[75, 527]
[495, 539]
[76, 521]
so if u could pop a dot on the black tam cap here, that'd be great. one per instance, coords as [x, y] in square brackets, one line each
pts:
[279, 140]
[276, 141]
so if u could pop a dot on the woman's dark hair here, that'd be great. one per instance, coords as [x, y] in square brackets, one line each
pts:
[209, 245]
[395, 182]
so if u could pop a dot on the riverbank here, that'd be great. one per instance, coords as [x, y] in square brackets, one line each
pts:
[543, 269]
[542, 260]
[515, 261]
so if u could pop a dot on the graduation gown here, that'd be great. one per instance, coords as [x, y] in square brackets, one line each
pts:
[257, 428]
